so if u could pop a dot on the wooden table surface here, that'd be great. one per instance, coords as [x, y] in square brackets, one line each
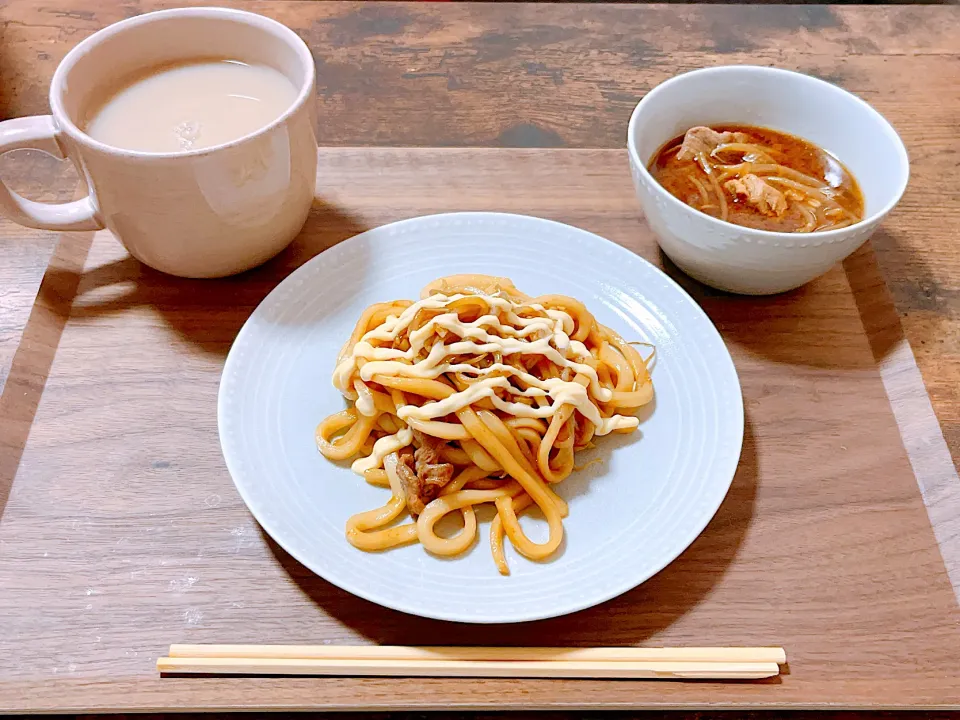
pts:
[558, 76]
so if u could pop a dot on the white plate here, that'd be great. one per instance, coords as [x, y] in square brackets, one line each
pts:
[630, 515]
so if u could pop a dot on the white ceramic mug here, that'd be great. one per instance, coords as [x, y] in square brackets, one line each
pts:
[202, 213]
[740, 259]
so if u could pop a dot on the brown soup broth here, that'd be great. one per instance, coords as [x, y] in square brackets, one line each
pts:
[677, 177]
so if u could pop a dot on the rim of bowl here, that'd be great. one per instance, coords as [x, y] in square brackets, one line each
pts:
[824, 86]
[67, 125]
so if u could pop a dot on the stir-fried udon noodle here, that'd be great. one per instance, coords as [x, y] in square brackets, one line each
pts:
[476, 394]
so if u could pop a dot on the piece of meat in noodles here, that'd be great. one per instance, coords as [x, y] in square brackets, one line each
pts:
[704, 140]
[758, 193]
[423, 473]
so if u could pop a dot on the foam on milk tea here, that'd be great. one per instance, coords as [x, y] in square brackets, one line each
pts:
[190, 106]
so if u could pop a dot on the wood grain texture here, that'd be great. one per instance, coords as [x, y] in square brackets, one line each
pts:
[26, 253]
[568, 75]
[515, 74]
[121, 501]
[445, 74]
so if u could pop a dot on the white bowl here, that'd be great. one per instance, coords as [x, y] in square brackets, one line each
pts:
[744, 260]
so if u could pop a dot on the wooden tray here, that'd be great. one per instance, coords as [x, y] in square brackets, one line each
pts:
[123, 533]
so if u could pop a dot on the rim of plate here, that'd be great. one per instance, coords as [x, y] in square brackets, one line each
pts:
[725, 369]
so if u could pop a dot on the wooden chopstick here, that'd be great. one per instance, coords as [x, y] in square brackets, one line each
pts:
[774, 655]
[470, 668]
[523, 662]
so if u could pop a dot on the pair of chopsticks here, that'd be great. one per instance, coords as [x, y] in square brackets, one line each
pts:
[721, 663]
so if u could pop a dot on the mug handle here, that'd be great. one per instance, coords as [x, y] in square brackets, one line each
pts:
[39, 133]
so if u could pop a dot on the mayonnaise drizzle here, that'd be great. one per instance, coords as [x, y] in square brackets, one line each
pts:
[503, 332]
[381, 448]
